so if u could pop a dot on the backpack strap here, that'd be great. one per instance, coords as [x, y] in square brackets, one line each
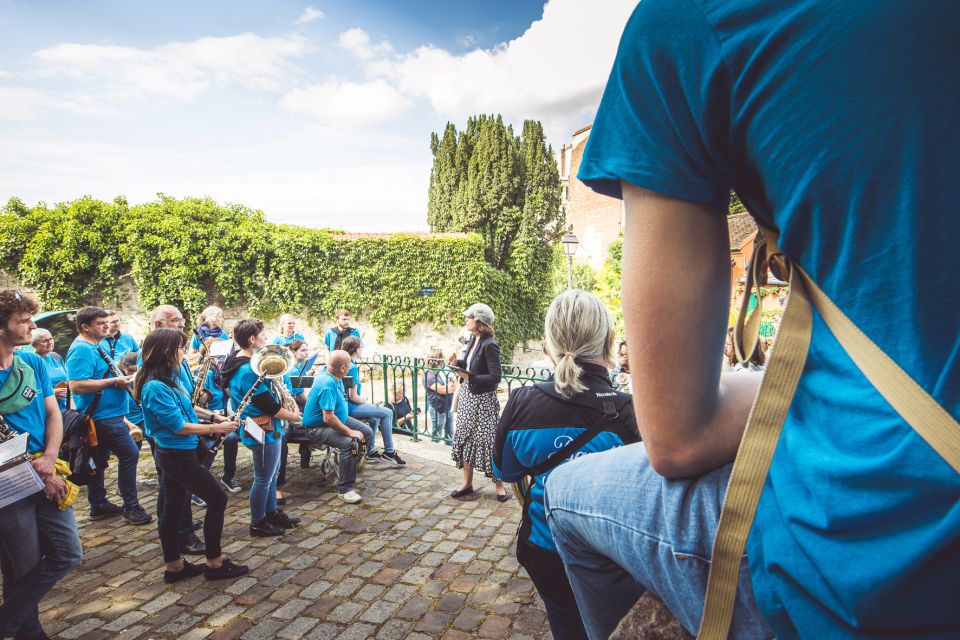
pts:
[930, 420]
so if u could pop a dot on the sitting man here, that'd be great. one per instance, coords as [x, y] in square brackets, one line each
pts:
[856, 531]
[38, 542]
[326, 421]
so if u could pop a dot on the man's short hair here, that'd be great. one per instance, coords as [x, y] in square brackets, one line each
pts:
[88, 314]
[245, 330]
[158, 312]
[11, 302]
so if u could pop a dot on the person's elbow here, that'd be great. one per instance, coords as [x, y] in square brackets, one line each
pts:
[680, 460]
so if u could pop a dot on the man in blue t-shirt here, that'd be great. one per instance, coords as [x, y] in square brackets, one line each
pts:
[326, 421]
[117, 343]
[95, 386]
[340, 331]
[39, 543]
[835, 122]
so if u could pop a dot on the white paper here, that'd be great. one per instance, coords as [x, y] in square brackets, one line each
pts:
[18, 482]
[13, 448]
[222, 348]
[253, 430]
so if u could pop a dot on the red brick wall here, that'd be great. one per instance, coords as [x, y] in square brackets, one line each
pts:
[596, 219]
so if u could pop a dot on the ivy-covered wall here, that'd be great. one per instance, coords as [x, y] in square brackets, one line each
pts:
[192, 252]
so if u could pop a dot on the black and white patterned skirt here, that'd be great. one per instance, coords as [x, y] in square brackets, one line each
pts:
[477, 417]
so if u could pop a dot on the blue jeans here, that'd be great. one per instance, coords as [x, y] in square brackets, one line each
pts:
[442, 422]
[113, 435]
[621, 529]
[263, 491]
[382, 420]
[38, 546]
[328, 436]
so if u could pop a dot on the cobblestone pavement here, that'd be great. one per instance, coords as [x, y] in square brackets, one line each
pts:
[408, 562]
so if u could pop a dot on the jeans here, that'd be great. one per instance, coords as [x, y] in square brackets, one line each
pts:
[182, 475]
[621, 529]
[113, 435]
[38, 546]
[327, 436]
[382, 420]
[263, 491]
[442, 422]
[185, 521]
[230, 448]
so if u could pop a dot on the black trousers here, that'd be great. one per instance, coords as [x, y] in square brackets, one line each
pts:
[184, 475]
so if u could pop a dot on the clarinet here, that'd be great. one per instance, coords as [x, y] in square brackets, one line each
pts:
[116, 371]
[218, 441]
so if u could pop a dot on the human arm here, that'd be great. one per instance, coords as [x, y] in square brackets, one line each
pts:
[691, 419]
[93, 385]
[491, 355]
[53, 437]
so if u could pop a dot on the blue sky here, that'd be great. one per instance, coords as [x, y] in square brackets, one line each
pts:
[319, 114]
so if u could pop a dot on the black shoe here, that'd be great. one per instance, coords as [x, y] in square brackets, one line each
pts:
[503, 497]
[374, 457]
[230, 484]
[193, 546]
[264, 529]
[198, 501]
[394, 457]
[136, 515]
[224, 571]
[105, 510]
[196, 526]
[459, 493]
[189, 571]
[282, 520]
[304, 461]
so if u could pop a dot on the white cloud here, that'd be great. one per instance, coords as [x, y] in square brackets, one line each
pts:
[309, 14]
[178, 70]
[357, 41]
[348, 103]
[24, 104]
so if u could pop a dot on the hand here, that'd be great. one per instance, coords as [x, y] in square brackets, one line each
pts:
[55, 488]
[122, 381]
[463, 374]
[44, 465]
[357, 435]
[226, 426]
[60, 393]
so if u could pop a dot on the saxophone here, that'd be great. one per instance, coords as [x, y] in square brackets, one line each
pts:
[200, 378]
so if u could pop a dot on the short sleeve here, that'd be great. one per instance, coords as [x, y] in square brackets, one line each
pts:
[664, 118]
[41, 376]
[327, 400]
[80, 364]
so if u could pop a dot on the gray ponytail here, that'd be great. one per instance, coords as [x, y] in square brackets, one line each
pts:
[577, 327]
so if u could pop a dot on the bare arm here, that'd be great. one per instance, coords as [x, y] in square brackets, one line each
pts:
[98, 384]
[676, 314]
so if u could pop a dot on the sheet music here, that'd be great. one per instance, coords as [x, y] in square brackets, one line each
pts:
[253, 430]
[221, 349]
[13, 448]
[18, 482]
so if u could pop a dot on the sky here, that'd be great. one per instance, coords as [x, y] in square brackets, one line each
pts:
[317, 114]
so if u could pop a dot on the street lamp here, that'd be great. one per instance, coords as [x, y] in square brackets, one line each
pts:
[570, 243]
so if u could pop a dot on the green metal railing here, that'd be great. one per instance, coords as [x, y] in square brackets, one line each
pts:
[406, 375]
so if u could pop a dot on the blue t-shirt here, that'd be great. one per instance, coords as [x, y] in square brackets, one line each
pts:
[32, 419]
[835, 121]
[165, 411]
[85, 363]
[134, 412]
[57, 372]
[195, 341]
[217, 395]
[123, 344]
[184, 374]
[284, 340]
[326, 394]
[240, 383]
[330, 337]
[354, 373]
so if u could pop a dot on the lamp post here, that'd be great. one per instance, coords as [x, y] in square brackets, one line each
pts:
[570, 243]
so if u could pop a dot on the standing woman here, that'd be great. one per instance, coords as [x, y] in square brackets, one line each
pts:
[211, 326]
[479, 408]
[266, 410]
[171, 421]
[43, 344]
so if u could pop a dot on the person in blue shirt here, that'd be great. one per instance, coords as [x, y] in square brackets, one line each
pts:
[134, 415]
[39, 543]
[835, 123]
[43, 345]
[326, 421]
[287, 331]
[94, 384]
[341, 330]
[382, 417]
[210, 326]
[116, 343]
[265, 409]
[170, 420]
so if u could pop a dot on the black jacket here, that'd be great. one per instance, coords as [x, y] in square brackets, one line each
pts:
[485, 368]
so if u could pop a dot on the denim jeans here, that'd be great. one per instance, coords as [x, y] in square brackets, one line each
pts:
[263, 491]
[183, 474]
[621, 529]
[113, 435]
[185, 520]
[382, 419]
[38, 546]
[342, 443]
[442, 423]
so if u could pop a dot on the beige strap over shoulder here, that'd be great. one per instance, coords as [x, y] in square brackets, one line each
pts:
[930, 420]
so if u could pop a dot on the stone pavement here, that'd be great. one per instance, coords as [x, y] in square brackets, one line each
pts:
[408, 562]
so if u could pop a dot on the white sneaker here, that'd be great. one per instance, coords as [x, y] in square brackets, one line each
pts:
[350, 497]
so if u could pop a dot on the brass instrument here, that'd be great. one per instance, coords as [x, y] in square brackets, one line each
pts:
[200, 379]
[622, 382]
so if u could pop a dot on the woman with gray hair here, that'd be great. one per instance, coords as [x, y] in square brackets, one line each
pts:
[544, 425]
[479, 407]
[43, 344]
